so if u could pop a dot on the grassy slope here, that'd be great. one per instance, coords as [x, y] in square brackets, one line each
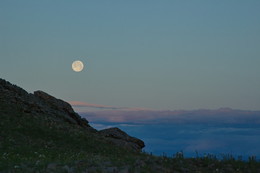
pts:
[30, 143]
[29, 139]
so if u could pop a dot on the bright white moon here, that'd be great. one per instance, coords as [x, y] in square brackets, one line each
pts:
[77, 66]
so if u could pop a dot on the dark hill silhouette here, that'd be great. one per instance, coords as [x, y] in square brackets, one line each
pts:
[57, 111]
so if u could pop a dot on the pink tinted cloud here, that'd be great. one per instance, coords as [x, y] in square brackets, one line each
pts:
[85, 104]
[144, 115]
[91, 105]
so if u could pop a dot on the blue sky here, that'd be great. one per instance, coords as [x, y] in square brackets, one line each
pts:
[152, 54]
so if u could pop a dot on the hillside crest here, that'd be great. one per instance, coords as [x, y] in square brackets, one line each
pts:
[56, 110]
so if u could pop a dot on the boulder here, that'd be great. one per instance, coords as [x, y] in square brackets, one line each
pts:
[121, 138]
[61, 107]
[39, 103]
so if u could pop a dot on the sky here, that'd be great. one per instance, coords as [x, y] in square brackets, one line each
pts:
[162, 55]
[165, 71]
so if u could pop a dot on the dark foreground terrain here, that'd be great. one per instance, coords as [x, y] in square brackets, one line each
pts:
[39, 133]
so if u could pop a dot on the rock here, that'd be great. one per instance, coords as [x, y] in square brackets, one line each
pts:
[61, 106]
[39, 103]
[121, 138]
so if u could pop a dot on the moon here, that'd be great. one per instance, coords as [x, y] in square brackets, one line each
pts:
[77, 66]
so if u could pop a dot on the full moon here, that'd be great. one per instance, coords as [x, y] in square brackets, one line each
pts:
[77, 66]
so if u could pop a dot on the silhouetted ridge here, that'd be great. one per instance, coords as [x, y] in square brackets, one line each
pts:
[56, 111]
[39, 103]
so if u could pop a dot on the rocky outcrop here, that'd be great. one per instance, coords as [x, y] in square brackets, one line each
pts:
[39, 103]
[42, 104]
[60, 107]
[120, 138]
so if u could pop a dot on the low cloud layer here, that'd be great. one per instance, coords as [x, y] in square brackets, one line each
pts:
[158, 117]
[221, 131]
[218, 139]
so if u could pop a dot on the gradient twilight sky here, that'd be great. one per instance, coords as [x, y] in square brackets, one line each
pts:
[165, 54]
